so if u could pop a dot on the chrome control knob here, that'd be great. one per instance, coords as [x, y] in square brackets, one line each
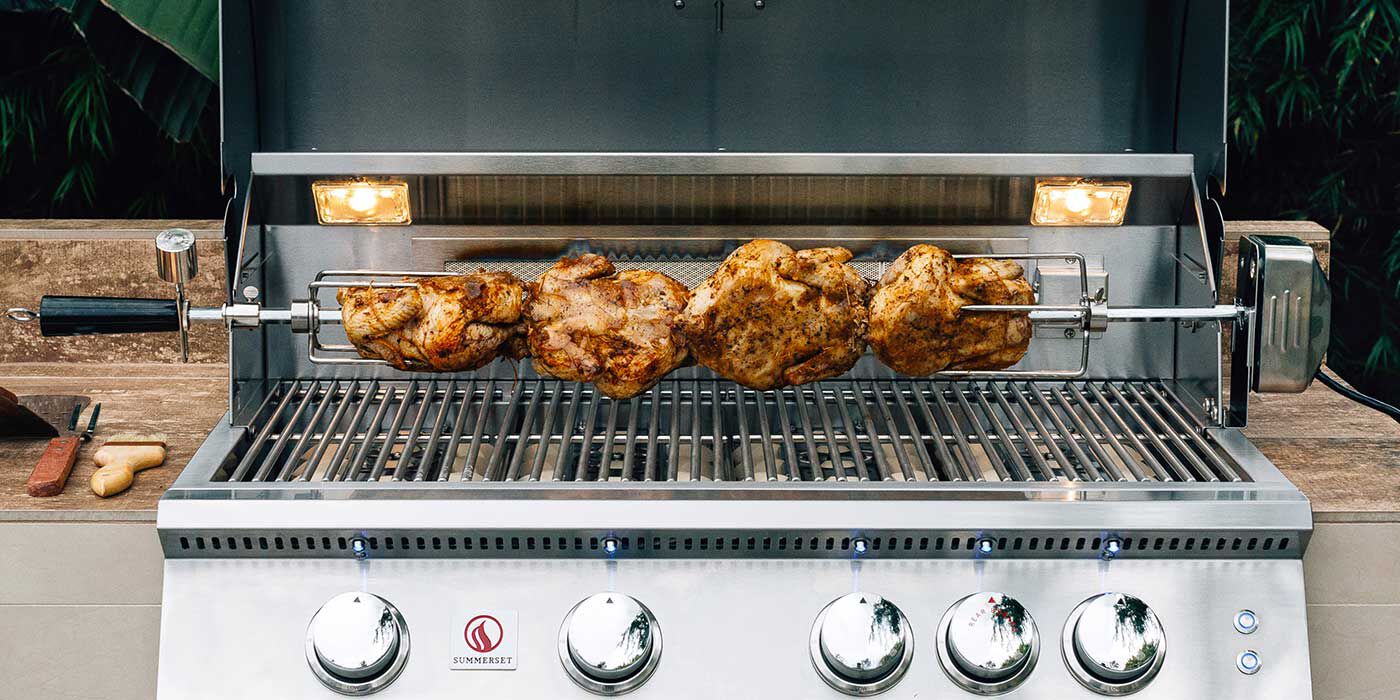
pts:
[988, 643]
[1114, 644]
[610, 643]
[357, 643]
[861, 644]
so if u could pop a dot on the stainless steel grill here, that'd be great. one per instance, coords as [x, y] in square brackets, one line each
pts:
[730, 518]
[705, 430]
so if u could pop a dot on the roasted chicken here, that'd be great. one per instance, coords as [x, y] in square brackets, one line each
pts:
[618, 330]
[917, 328]
[442, 324]
[771, 316]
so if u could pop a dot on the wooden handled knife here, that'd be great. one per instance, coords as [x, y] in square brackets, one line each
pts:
[51, 472]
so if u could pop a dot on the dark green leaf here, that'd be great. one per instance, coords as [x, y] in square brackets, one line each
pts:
[190, 28]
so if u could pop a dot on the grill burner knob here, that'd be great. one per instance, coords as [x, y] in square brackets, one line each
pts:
[1114, 643]
[357, 643]
[988, 642]
[861, 644]
[610, 643]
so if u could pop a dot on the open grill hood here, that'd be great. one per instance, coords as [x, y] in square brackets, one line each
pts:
[808, 76]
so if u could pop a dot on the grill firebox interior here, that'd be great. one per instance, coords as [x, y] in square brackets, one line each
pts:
[438, 429]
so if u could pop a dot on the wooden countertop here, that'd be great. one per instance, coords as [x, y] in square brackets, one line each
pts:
[181, 401]
[1344, 457]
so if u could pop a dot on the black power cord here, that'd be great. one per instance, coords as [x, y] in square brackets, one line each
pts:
[1354, 395]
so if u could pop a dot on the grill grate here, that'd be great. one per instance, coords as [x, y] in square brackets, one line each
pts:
[706, 430]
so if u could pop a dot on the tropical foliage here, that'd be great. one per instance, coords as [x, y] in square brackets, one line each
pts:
[1315, 134]
[97, 119]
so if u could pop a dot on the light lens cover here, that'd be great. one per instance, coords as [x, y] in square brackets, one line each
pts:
[361, 202]
[1071, 202]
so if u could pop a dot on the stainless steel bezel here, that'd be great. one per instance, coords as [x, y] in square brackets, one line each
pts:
[1093, 682]
[1246, 669]
[974, 685]
[1239, 623]
[370, 685]
[837, 682]
[625, 685]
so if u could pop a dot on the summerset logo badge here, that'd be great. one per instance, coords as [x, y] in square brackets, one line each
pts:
[484, 640]
[484, 633]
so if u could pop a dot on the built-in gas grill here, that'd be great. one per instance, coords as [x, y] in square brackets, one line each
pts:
[1090, 522]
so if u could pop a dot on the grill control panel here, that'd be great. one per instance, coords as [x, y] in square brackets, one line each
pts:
[823, 629]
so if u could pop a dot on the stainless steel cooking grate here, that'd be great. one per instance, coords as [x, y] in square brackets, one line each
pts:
[706, 430]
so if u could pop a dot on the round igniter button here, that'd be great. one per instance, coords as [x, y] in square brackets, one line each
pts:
[861, 644]
[988, 643]
[1246, 622]
[1248, 662]
[357, 643]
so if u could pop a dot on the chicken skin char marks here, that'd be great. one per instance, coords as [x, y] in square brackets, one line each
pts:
[771, 317]
[618, 330]
[917, 328]
[441, 324]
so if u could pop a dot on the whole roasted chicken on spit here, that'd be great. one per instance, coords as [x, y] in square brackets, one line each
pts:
[618, 330]
[916, 323]
[771, 316]
[442, 324]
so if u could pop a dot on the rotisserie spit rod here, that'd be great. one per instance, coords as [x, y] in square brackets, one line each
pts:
[303, 314]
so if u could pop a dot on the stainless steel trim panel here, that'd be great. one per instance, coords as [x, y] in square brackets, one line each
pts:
[737, 628]
[992, 164]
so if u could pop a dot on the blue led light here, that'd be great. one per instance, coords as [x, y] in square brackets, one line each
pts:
[359, 547]
[860, 546]
[1246, 622]
[1248, 662]
[985, 546]
[610, 545]
[1111, 548]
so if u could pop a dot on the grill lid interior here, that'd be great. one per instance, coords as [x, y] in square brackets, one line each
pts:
[804, 77]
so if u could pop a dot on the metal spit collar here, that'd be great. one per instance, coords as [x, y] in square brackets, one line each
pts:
[176, 259]
[178, 263]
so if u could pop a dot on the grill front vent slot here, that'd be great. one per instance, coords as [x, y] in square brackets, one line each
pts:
[464, 430]
[776, 544]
